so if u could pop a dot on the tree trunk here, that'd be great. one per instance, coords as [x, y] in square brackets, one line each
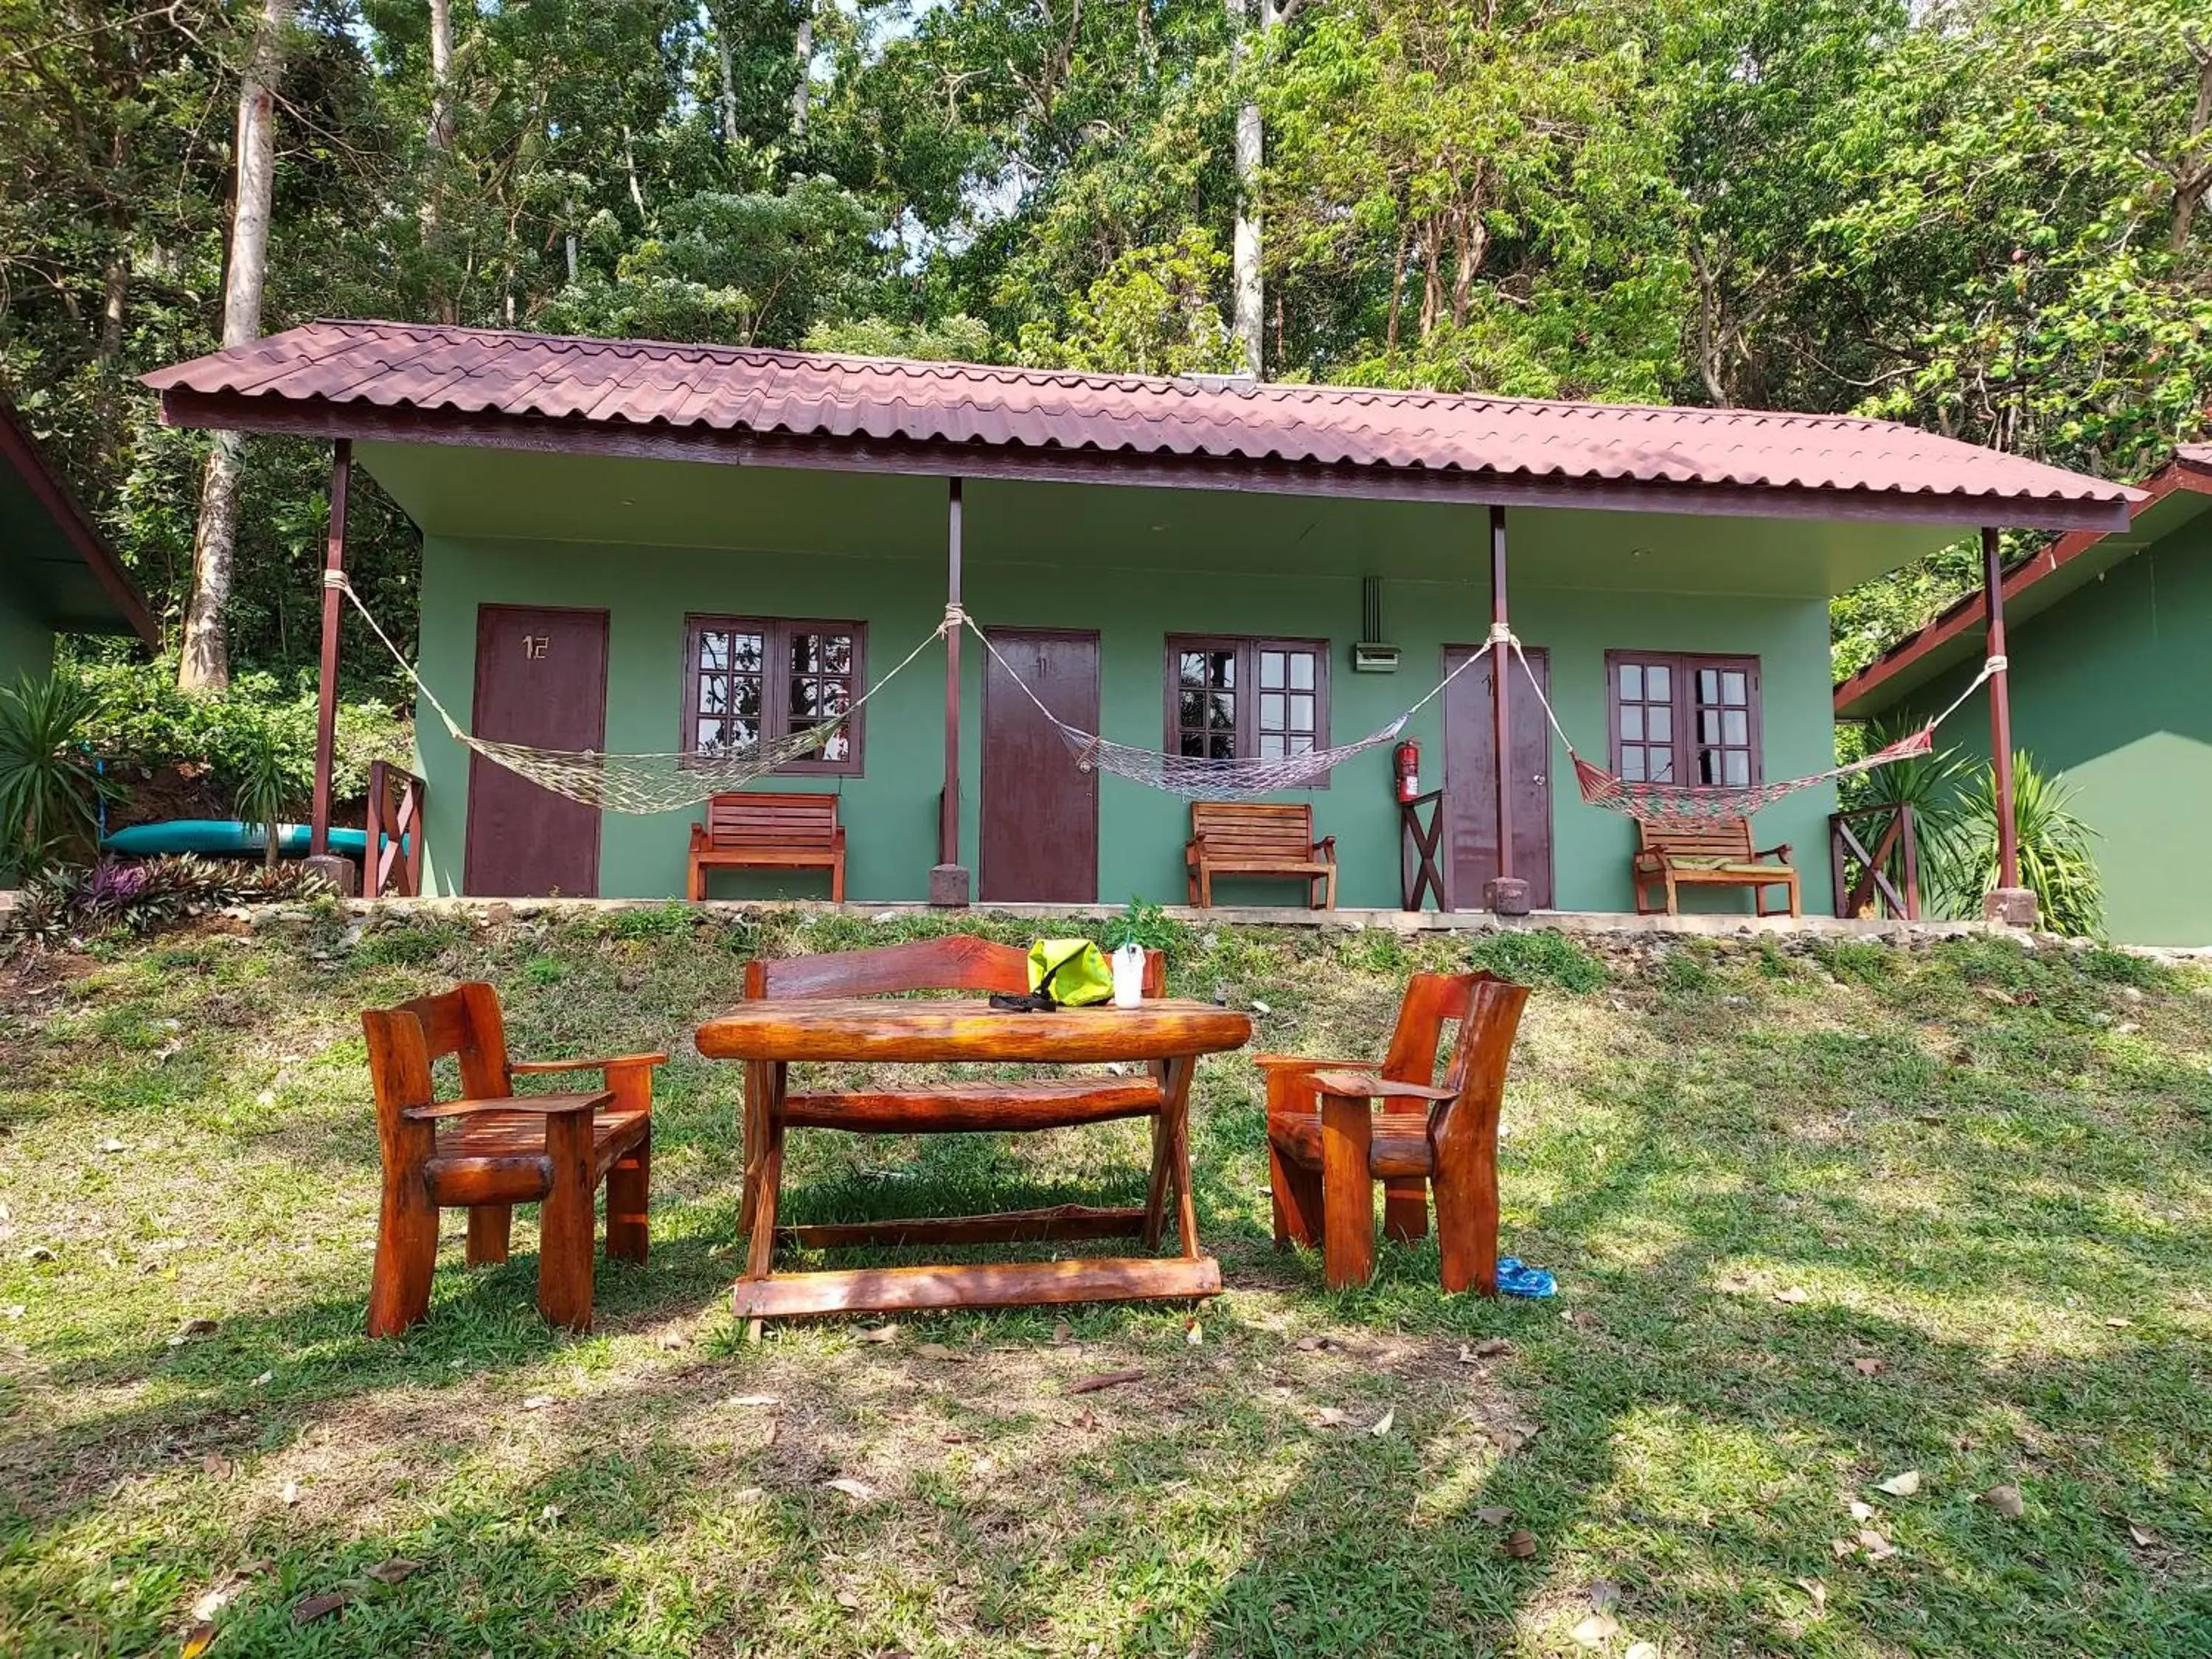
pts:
[802, 47]
[2191, 184]
[438, 140]
[1250, 293]
[206, 664]
[729, 99]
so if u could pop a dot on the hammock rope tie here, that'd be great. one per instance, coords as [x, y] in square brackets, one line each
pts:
[642, 784]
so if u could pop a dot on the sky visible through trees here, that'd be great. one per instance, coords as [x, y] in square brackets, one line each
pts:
[1986, 217]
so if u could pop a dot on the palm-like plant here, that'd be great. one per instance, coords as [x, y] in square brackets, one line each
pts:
[1929, 785]
[2056, 862]
[264, 789]
[51, 786]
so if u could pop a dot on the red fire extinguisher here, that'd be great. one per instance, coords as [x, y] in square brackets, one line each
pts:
[1406, 761]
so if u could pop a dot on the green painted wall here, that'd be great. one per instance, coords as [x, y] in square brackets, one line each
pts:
[26, 641]
[2112, 687]
[891, 811]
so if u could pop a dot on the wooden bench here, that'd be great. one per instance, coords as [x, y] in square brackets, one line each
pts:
[767, 832]
[1257, 838]
[1717, 853]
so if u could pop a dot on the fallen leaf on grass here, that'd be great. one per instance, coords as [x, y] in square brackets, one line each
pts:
[1324, 1344]
[1493, 1515]
[1521, 1543]
[1383, 1422]
[1877, 1547]
[1604, 1595]
[1062, 1333]
[1105, 1380]
[192, 1329]
[220, 1467]
[1817, 1590]
[1793, 1296]
[859, 1490]
[1489, 1348]
[936, 1351]
[1902, 1485]
[1597, 1629]
[1733, 1284]
[1581, 1319]
[1840, 1548]
[2143, 1535]
[877, 1333]
[750, 1400]
[318, 1607]
[670, 1341]
[196, 1640]
[1861, 1510]
[290, 1494]
[394, 1570]
[1643, 1651]
[2005, 1500]
[1086, 1421]
[2119, 1324]
[111, 1145]
[1869, 1367]
[14, 1310]
[38, 1253]
[1194, 1333]
[536, 1403]
[848, 1600]
[262, 1381]
[1331, 1417]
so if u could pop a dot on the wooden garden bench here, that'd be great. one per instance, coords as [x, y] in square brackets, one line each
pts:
[495, 1149]
[1715, 854]
[1258, 838]
[767, 832]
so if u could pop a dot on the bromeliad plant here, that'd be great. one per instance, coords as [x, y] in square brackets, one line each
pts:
[51, 786]
[148, 897]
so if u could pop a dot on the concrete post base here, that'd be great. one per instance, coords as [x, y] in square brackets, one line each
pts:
[341, 872]
[1505, 895]
[948, 886]
[2009, 907]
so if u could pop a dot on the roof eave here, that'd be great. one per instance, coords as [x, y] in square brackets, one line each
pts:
[327, 418]
[1858, 697]
[23, 454]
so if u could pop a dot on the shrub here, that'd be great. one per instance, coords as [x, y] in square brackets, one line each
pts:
[139, 715]
[50, 786]
[2056, 863]
[1540, 958]
[148, 896]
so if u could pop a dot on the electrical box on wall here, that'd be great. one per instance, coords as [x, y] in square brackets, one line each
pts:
[1368, 656]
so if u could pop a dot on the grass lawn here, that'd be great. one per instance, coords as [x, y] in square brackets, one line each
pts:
[1820, 1221]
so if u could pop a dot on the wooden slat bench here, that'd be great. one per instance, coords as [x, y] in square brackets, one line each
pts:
[1717, 853]
[1258, 838]
[767, 832]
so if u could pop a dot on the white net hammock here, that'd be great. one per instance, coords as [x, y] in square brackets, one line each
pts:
[669, 781]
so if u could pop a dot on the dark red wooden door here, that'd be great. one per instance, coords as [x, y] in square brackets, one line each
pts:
[1471, 780]
[1040, 840]
[541, 679]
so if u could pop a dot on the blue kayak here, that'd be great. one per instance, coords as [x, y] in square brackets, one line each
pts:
[223, 838]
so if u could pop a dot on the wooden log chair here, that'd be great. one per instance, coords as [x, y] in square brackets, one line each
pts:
[493, 1148]
[1272, 839]
[762, 831]
[954, 963]
[1715, 854]
[1337, 1126]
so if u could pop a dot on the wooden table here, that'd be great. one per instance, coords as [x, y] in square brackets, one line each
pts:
[1166, 1035]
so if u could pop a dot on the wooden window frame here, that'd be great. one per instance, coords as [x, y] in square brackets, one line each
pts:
[775, 634]
[1683, 665]
[1247, 647]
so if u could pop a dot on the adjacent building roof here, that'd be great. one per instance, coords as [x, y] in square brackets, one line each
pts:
[432, 384]
[49, 547]
[2171, 497]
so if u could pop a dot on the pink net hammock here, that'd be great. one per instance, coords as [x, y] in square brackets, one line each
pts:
[1684, 803]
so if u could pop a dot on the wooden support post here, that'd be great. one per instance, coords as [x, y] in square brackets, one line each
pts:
[948, 879]
[339, 871]
[1505, 894]
[2008, 902]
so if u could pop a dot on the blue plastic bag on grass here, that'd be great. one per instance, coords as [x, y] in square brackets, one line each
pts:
[1517, 1278]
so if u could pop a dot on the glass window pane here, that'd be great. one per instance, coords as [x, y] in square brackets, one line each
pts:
[1190, 708]
[1735, 726]
[1662, 765]
[1708, 685]
[1738, 766]
[1192, 743]
[1190, 668]
[837, 652]
[1632, 721]
[745, 652]
[1273, 671]
[1301, 742]
[838, 746]
[1274, 708]
[1223, 746]
[1734, 688]
[1270, 745]
[713, 694]
[1631, 683]
[1221, 712]
[1632, 763]
[1709, 726]
[1221, 669]
[1303, 712]
[1661, 722]
[1658, 683]
[713, 648]
[707, 734]
[1302, 670]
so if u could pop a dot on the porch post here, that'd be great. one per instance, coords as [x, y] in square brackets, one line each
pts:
[338, 871]
[2009, 903]
[1505, 894]
[948, 879]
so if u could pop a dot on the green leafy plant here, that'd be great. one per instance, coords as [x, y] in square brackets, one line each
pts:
[1928, 784]
[51, 786]
[1150, 928]
[60, 904]
[2055, 861]
[265, 789]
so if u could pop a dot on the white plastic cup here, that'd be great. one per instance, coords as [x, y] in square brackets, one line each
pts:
[1128, 976]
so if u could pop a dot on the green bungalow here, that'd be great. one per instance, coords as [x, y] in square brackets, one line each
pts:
[57, 575]
[2111, 685]
[633, 547]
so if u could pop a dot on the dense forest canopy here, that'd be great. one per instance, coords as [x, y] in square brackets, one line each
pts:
[1988, 217]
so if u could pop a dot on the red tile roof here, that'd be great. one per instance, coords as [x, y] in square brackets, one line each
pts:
[644, 384]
